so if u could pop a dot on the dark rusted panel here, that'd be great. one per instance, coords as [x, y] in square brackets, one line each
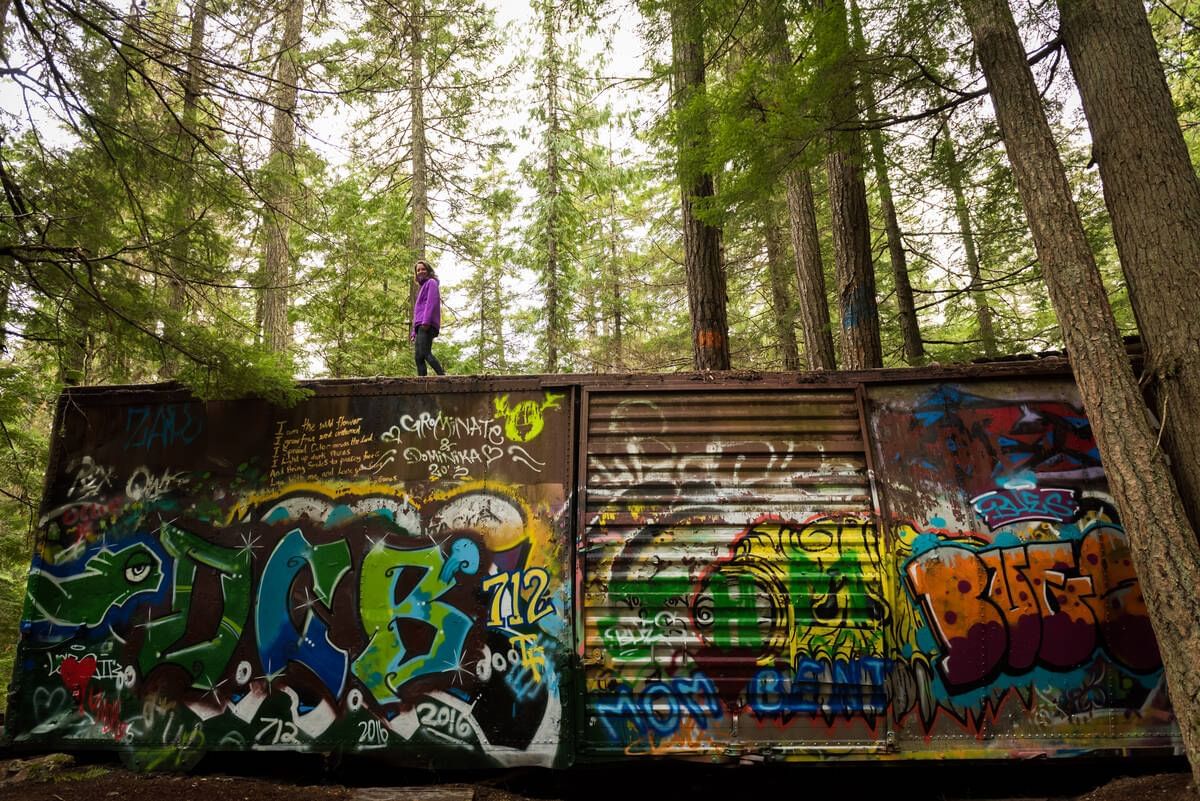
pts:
[1017, 614]
[385, 566]
[732, 589]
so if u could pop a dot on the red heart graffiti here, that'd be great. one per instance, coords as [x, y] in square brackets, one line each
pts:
[76, 673]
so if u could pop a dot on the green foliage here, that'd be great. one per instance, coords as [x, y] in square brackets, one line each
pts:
[123, 235]
[25, 420]
[356, 280]
[1177, 31]
[370, 63]
[490, 254]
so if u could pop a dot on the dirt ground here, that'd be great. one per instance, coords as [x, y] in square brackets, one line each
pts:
[1156, 787]
[59, 778]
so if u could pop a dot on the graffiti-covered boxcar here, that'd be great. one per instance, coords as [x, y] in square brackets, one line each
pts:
[547, 570]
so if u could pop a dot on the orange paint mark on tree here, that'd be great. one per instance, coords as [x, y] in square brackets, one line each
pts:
[709, 339]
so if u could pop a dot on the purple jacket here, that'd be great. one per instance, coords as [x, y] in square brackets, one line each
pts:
[428, 308]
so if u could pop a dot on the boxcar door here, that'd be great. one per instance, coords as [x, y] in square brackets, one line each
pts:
[731, 567]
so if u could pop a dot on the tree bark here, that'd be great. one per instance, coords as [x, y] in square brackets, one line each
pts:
[1153, 197]
[1165, 551]
[616, 280]
[707, 293]
[416, 93]
[785, 336]
[853, 266]
[910, 327]
[182, 212]
[277, 330]
[6, 264]
[810, 271]
[954, 178]
[4, 6]
[554, 322]
[813, 304]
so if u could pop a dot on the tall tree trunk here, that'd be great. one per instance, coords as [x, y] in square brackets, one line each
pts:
[280, 207]
[593, 302]
[853, 266]
[6, 266]
[420, 164]
[1153, 197]
[707, 293]
[484, 296]
[416, 93]
[910, 327]
[617, 315]
[497, 317]
[182, 213]
[4, 6]
[810, 271]
[1165, 551]
[554, 324]
[616, 277]
[954, 178]
[784, 309]
[802, 216]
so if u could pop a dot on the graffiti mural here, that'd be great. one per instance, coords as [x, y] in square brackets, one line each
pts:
[1044, 603]
[748, 609]
[368, 573]
[708, 570]
[990, 600]
[788, 623]
[1030, 616]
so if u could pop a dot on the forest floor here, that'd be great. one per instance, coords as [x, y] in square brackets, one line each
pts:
[275, 777]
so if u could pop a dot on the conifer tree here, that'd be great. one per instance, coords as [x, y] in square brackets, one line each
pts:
[1162, 540]
[813, 305]
[703, 265]
[910, 328]
[954, 178]
[855, 269]
[279, 192]
[1153, 196]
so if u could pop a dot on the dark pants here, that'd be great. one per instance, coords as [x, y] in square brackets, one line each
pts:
[423, 350]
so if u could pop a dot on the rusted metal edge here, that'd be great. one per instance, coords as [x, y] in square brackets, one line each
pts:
[1052, 365]
[173, 392]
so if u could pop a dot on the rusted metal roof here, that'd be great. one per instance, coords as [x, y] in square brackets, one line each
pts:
[1051, 365]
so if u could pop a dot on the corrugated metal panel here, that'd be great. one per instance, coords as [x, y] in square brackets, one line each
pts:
[732, 589]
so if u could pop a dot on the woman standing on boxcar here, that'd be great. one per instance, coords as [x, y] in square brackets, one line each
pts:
[427, 319]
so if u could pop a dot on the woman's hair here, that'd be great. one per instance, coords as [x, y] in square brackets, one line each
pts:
[428, 268]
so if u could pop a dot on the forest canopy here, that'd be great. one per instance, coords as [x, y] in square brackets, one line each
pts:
[232, 193]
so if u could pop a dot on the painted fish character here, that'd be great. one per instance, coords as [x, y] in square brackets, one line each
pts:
[107, 581]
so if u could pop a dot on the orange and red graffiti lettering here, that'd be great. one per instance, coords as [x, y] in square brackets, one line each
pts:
[1048, 604]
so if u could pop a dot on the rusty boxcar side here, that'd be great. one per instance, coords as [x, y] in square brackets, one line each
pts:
[543, 570]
